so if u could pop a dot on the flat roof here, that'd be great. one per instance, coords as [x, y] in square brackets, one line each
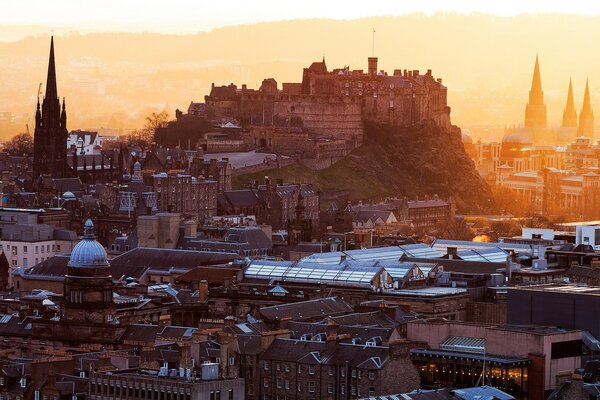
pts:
[561, 288]
[430, 292]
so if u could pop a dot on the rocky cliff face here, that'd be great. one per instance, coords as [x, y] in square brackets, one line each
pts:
[392, 162]
[418, 162]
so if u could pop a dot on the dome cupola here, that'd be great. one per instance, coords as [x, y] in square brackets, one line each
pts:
[88, 253]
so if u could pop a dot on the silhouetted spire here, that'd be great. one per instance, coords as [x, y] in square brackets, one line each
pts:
[586, 117]
[63, 115]
[51, 91]
[38, 114]
[535, 112]
[536, 84]
[570, 115]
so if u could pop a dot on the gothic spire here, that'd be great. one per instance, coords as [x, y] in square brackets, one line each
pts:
[51, 91]
[570, 115]
[536, 83]
[535, 112]
[586, 117]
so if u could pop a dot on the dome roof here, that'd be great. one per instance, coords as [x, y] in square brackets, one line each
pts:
[514, 138]
[466, 138]
[88, 252]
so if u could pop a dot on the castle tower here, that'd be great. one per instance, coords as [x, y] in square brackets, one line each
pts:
[570, 115]
[50, 135]
[586, 116]
[535, 112]
[88, 286]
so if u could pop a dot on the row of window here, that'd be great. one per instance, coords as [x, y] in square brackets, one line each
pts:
[355, 372]
[354, 390]
[14, 250]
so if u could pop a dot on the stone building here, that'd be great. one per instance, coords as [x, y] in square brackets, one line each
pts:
[182, 193]
[213, 169]
[88, 285]
[330, 370]
[335, 103]
[274, 204]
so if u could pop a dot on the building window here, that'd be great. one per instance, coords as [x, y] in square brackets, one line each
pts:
[24, 249]
[371, 392]
[265, 365]
[266, 382]
[311, 369]
[311, 387]
[331, 369]
[371, 375]
[342, 389]
[279, 384]
[287, 384]
[330, 388]
[25, 263]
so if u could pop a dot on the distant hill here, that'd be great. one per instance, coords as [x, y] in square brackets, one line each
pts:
[415, 162]
[116, 79]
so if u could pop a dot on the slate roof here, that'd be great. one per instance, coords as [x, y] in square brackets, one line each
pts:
[297, 329]
[367, 319]
[238, 239]
[328, 353]
[241, 198]
[167, 258]
[306, 310]
[249, 344]
[210, 274]
[372, 215]
[141, 333]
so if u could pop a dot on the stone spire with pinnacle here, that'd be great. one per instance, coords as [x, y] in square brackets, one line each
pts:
[50, 135]
[535, 112]
[586, 116]
[570, 115]
[51, 91]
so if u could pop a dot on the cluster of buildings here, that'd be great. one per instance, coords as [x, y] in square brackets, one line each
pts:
[177, 287]
[554, 170]
[321, 119]
[208, 318]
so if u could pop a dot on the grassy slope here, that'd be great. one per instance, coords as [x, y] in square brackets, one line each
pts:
[412, 163]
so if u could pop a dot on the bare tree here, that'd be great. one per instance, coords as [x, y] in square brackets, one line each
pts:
[148, 134]
[20, 145]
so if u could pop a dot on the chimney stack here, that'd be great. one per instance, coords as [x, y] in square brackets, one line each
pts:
[372, 66]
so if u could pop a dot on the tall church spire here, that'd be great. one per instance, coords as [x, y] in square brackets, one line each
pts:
[570, 115]
[50, 136]
[51, 91]
[586, 117]
[535, 112]
[536, 84]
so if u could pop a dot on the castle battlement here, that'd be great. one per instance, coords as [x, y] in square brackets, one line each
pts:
[336, 103]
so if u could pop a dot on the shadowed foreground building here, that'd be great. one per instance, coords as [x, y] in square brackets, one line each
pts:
[524, 360]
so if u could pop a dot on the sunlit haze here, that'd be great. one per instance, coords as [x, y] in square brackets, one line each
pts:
[186, 16]
[119, 60]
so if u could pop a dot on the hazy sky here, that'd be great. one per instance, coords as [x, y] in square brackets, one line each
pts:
[184, 16]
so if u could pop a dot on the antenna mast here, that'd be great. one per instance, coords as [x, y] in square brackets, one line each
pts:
[373, 44]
